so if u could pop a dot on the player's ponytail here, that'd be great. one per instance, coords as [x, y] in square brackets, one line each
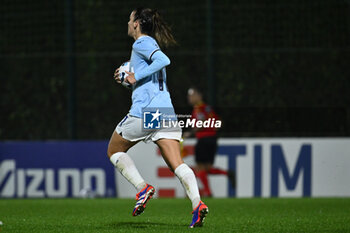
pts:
[162, 31]
[153, 24]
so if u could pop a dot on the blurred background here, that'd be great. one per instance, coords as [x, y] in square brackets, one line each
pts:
[278, 68]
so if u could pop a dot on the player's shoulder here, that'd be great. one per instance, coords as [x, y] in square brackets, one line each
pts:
[205, 108]
[145, 42]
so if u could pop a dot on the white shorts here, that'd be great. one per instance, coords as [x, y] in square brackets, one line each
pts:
[131, 128]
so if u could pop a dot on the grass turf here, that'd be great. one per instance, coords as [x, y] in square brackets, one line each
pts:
[174, 215]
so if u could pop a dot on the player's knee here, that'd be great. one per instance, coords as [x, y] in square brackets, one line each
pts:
[114, 149]
[109, 153]
[117, 147]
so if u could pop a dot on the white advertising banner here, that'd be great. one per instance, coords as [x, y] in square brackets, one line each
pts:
[291, 167]
[264, 167]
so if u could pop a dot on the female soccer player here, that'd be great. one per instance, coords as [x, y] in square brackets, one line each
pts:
[149, 90]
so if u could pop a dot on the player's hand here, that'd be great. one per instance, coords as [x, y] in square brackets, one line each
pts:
[116, 75]
[130, 78]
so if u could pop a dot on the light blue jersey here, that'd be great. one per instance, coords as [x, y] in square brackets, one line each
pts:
[148, 63]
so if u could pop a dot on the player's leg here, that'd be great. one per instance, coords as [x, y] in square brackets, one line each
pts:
[118, 144]
[212, 142]
[211, 170]
[203, 154]
[170, 150]
[117, 148]
[202, 174]
[215, 170]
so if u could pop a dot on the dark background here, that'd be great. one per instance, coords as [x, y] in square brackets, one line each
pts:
[270, 68]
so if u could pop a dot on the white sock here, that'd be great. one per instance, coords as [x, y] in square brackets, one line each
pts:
[127, 168]
[189, 182]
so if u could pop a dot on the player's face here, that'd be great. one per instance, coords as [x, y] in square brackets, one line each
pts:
[193, 97]
[131, 25]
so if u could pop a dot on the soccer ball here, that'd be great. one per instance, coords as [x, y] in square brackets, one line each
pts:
[122, 74]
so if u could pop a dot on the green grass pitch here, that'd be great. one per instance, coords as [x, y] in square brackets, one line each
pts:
[174, 215]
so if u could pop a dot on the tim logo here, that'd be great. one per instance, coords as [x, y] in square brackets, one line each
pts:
[151, 119]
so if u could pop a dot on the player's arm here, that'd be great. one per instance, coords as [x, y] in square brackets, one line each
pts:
[159, 61]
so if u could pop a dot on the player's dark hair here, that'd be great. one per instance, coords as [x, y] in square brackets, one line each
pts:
[154, 25]
[196, 89]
